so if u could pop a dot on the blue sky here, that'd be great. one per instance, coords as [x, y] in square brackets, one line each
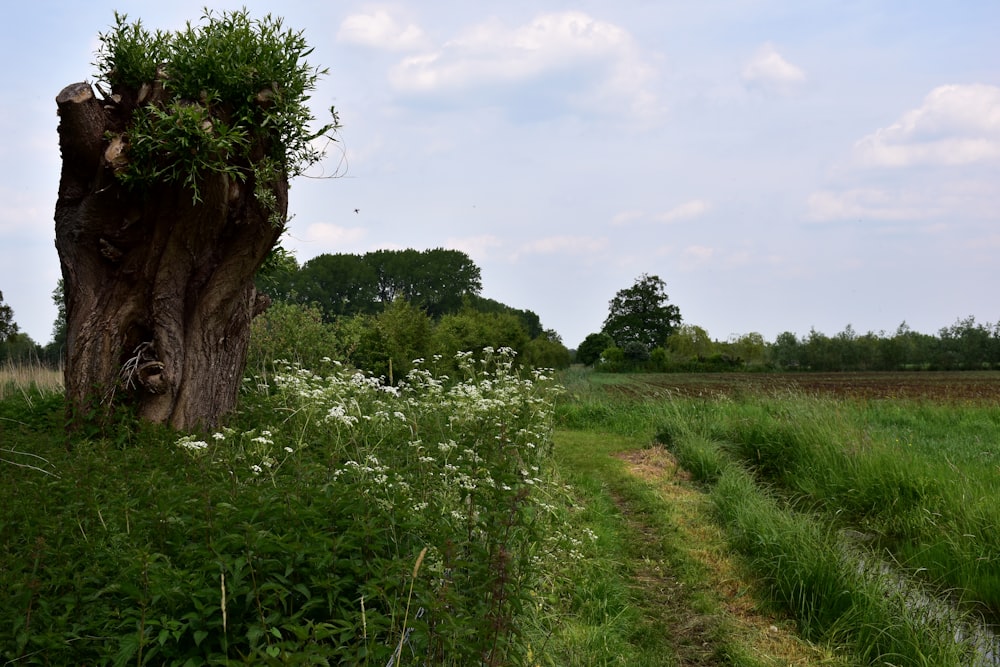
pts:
[781, 165]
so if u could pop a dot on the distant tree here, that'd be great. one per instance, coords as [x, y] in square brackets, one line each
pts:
[750, 348]
[56, 348]
[546, 351]
[19, 347]
[785, 351]
[642, 314]
[436, 280]
[471, 331]
[406, 333]
[589, 351]
[7, 324]
[529, 320]
[636, 353]
[340, 285]
[967, 345]
[689, 341]
[290, 332]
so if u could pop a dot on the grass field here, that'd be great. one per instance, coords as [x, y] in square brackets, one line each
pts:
[752, 520]
[897, 470]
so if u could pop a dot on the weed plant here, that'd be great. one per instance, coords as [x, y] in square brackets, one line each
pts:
[336, 520]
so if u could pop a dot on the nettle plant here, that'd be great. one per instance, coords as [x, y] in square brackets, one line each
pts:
[225, 96]
[449, 526]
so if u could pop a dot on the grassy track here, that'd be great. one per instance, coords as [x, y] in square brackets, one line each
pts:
[661, 590]
[902, 466]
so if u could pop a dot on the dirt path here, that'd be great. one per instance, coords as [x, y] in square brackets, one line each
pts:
[765, 638]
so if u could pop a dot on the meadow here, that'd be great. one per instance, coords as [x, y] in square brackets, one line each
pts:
[478, 513]
[864, 505]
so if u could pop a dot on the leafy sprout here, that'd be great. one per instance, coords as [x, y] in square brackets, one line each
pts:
[234, 100]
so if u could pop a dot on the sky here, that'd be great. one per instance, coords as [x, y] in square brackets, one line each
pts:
[780, 165]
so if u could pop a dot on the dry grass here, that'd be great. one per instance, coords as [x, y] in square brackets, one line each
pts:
[21, 378]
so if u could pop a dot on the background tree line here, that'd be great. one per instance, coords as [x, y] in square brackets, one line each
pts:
[402, 305]
[644, 332]
[965, 345]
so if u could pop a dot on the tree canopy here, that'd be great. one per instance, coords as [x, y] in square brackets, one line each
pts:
[438, 281]
[642, 314]
[226, 96]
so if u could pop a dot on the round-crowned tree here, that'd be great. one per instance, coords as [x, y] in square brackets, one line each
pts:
[592, 346]
[173, 190]
[642, 314]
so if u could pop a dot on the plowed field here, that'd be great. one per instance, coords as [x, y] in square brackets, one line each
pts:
[966, 386]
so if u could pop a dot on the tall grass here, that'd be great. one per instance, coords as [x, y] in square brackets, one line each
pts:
[833, 599]
[924, 492]
[26, 378]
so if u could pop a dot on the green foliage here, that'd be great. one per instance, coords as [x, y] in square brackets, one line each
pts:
[130, 55]
[386, 344]
[472, 330]
[7, 324]
[438, 281]
[14, 345]
[966, 345]
[289, 332]
[180, 143]
[336, 521]
[275, 276]
[546, 352]
[339, 285]
[235, 100]
[641, 314]
[590, 350]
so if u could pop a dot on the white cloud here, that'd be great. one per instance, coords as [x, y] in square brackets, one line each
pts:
[955, 125]
[625, 217]
[381, 31]
[695, 256]
[476, 247]
[769, 72]
[321, 237]
[869, 204]
[685, 211]
[565, 245]
[599, 61]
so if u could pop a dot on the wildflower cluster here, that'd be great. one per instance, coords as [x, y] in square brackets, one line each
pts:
[457, 466]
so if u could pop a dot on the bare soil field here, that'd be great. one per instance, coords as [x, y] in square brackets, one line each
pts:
[938, 386]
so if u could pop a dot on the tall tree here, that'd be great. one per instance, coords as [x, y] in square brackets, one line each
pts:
[642, 314]
[174, 188]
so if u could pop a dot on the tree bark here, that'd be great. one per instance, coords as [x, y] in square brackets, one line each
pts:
[159, 288]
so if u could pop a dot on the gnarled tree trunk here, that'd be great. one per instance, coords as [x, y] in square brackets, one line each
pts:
[159, 288]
